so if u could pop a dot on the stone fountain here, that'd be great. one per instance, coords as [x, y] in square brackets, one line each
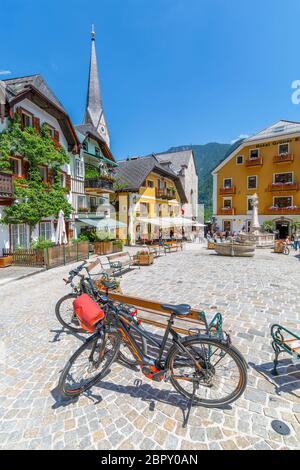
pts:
[256, 235]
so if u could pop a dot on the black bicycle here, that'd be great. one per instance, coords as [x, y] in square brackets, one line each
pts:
[204, 368]
[65, 314]
[64, 308]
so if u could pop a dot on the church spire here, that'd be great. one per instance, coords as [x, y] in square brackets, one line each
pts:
[94, 109]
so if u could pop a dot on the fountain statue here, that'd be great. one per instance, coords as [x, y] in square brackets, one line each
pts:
[255, 225]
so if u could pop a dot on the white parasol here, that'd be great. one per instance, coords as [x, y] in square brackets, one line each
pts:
[61, 235]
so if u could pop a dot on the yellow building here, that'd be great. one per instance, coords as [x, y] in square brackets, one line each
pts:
[268, 164]
[149, 197]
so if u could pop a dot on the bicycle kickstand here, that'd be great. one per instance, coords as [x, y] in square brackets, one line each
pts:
[190, 404]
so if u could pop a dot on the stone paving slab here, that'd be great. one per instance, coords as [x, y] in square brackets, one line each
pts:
[126, 410]
[15, 273]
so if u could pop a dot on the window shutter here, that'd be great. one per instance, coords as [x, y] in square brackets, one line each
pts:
[50, 176]
[68, 182]
[25, 169]
[36, 124]
[56, 135]
[18, 111]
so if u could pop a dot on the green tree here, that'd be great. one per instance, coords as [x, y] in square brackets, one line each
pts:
[35, 199]
[268, 225]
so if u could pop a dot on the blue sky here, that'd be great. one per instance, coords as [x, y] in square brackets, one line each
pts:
[172, 72]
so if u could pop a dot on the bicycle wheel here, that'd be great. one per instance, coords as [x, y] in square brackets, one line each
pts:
[89, 363]
[286, 250]
[223, 375]
[65, 313]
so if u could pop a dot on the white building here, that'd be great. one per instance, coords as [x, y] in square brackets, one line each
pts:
[36, 104]
[183, 164]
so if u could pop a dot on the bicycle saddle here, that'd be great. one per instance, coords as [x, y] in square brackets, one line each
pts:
[182, 309]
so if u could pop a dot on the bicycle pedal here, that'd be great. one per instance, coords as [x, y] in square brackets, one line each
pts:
[153, 373]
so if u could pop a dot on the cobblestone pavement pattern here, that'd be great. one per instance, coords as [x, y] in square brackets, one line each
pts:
[128, 411]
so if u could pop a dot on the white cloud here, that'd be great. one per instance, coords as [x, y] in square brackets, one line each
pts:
[241, 136]
[5, 72]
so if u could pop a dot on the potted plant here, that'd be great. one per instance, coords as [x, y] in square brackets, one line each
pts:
[117, 246]
[82, 210]
[6, 261]
[103, 243]
[143, 258]
[115, 290]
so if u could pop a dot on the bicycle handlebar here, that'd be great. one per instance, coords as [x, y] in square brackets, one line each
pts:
[75, 272]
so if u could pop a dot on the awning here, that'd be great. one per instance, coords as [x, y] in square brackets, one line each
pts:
[187, 222]
[166, 222]
[101, 158]
[109, 162]
[103, 224]
[162, 222]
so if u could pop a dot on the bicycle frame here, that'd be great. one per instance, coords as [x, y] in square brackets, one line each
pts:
[124, 326]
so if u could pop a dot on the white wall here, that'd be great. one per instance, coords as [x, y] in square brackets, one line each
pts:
[190, 182]
[45, 117]
[4, 233]
[239, 221]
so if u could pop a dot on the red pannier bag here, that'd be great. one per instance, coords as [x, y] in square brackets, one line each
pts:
[88, 312]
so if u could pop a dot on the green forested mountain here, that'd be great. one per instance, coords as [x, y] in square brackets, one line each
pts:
[207, 158]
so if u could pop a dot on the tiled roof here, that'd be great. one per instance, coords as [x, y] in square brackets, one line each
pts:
[278, 129]
[177, 159]
[14, 86]
[133, 172]
[89, 129]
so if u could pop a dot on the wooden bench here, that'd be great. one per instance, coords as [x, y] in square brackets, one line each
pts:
[118, 263]
[284, 340]
[151, 312]
[172, 246]
[155, 250]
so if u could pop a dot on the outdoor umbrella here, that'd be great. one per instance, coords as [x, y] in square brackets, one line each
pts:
[61, 235]
[53, 233]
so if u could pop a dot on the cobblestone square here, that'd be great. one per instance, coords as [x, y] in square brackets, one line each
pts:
[127, 411]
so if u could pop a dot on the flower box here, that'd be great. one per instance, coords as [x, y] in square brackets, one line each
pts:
[6, 261]
[143, 259]
[117, 247]
[103, 248]
[210, 246]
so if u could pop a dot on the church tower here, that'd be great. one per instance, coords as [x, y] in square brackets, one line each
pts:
[94, 109]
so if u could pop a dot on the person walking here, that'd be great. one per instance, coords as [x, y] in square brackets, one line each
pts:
[296, 242]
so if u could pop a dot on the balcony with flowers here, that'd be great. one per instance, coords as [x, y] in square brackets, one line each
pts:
[227, 190]
[227, 211]
[98, 179]
[283, 158]
[284, 186]
[6, 189]
[283, 210]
